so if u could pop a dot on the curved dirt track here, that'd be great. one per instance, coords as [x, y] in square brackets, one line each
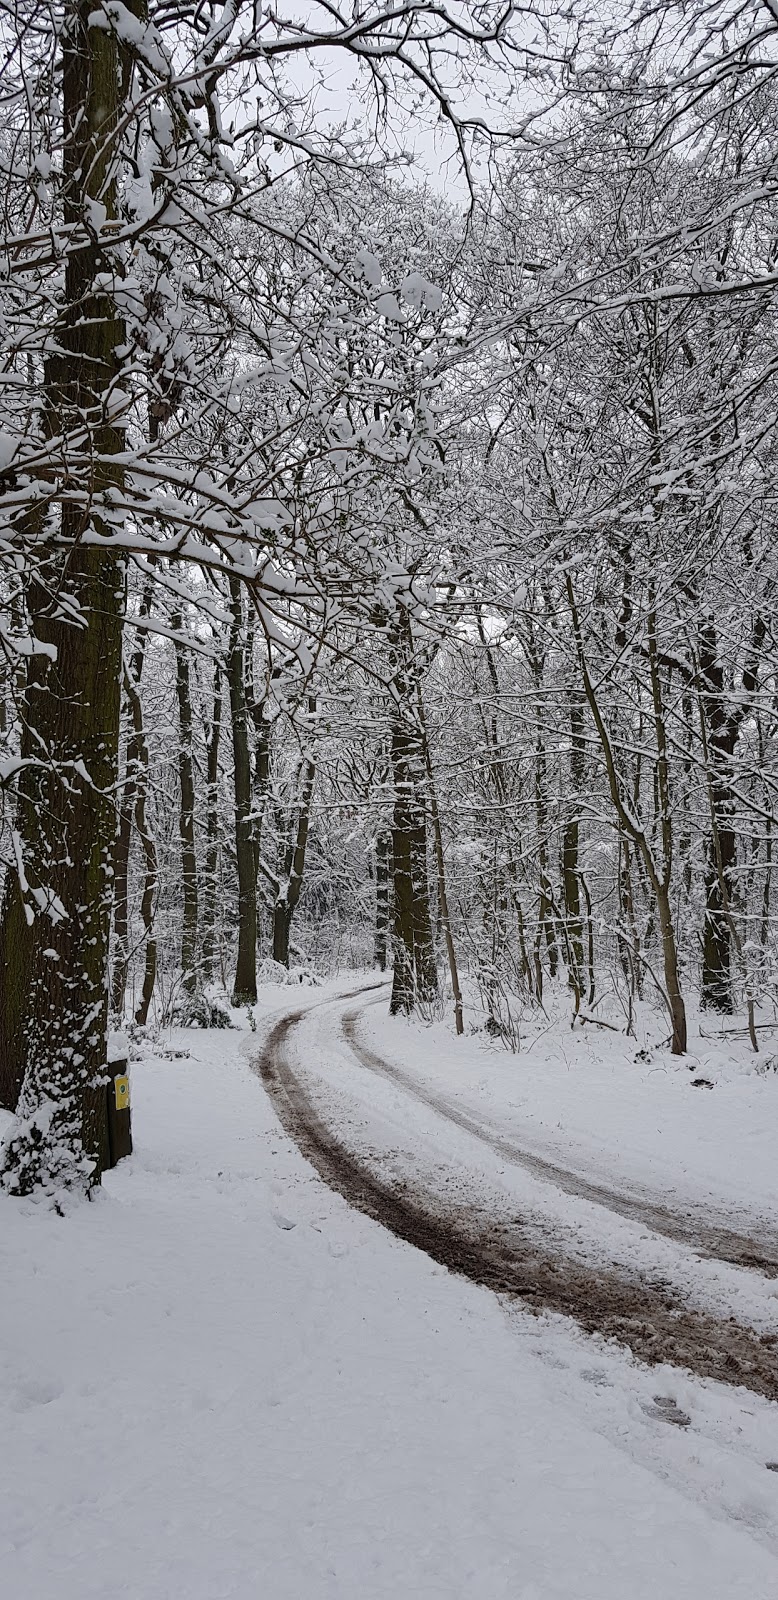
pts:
[652, 1320]
[722, 1244]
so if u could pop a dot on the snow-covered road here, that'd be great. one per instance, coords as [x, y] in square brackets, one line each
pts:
[755, 1247]
[220, 1382]
[409, 1138]
[623, 1113]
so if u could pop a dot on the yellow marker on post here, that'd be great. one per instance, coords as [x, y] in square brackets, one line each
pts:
[121, 1087]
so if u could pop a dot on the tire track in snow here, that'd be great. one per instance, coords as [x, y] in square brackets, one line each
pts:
[654, 1322]
[720, 1244]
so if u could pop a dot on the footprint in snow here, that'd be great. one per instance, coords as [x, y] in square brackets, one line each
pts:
[593, 1375]
[667, 1410]
[36, 1392]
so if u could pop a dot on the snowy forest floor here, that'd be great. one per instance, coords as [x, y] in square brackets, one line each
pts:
[221, 1380]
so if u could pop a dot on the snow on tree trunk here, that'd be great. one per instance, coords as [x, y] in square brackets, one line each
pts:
[66, 814]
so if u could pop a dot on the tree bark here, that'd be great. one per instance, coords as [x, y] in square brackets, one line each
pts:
[121, 910]
[721, 845]
[415, 977]
[56, 1012]
[211, 872]
[245, 985]
[294, 864]
[545, 929]
[440, 861]
[383, 856]
[571, 871]
[722, 726]
[186, 816]
[659, 875]
[149, 851]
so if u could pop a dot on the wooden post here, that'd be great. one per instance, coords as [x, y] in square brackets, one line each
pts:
[119, 1116]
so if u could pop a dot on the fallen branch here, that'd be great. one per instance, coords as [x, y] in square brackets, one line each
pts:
[598, 1023]
[758, 1026]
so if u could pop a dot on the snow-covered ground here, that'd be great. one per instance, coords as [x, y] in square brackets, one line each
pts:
[217, 1382]
[617, 1109]
[403, 1139]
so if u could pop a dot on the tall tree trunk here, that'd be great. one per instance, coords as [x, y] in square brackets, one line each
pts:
[256, 705]
[383, 856]
[245, 986]
[499, 782]
[148, 849]
[764, 923]
[440, 862]
[571, 869]
[721, 845]
[121, 910]
[56, 1011]
[724, 887]
[661, 874]
[261, 777]
[211, 873]
[415, 977]
[658, 872]
[294, 864]
[545, 931]
[723, 721]
[672, 979]
[186, 816]
[628, 935]
[415, 974]
[149, 871]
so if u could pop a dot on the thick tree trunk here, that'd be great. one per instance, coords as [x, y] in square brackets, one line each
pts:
[56, 1008]
[415, 977]
[67, 824]
[245, 986]
[415, 974]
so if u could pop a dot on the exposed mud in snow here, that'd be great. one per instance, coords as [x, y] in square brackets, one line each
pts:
[652, 1320]
[722, 1244]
